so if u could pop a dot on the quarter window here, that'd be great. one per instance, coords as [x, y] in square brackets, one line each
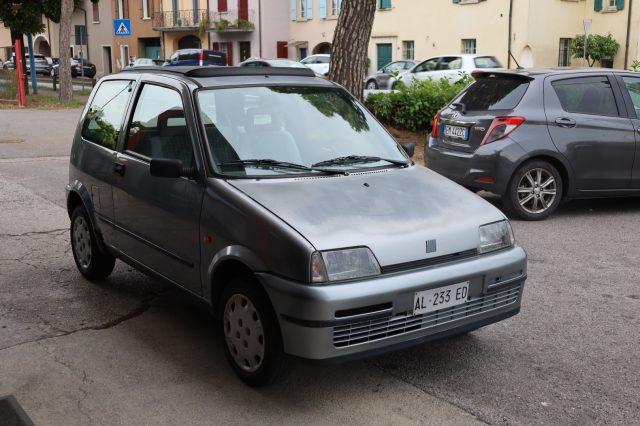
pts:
[103, 121]
[586, 95]
[158, 128]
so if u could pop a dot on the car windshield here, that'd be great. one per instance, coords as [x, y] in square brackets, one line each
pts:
[303, 125]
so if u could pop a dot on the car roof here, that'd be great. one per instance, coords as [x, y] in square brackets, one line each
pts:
[212, 76]
[532, 73]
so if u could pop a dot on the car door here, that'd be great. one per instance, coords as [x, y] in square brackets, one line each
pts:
[630, 87]
[385, 73]
[158, 219]
[95, 152]
[423, 71]
[588, 123]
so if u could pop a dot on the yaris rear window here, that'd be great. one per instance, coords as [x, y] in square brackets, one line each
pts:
[493, 93]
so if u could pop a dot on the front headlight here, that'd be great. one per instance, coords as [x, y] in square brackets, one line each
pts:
[345, 264]
[495, 236]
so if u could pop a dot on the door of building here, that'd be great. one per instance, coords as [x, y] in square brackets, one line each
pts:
[384, 54]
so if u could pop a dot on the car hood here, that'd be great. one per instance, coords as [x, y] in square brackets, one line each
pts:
[392, 211]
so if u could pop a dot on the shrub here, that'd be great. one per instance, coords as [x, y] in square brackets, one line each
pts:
[8, 84]
[413, 107]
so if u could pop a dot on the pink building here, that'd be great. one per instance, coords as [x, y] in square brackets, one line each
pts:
[249, 28]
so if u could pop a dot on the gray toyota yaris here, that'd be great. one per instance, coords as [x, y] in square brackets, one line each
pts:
[278, 199]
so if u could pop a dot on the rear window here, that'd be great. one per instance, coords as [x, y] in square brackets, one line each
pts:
[493, 93]
[586, 95]
[487, 62]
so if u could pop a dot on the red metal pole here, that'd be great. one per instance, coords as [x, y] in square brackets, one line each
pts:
[22, 96]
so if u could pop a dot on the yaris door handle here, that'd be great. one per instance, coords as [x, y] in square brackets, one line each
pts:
[565, 122]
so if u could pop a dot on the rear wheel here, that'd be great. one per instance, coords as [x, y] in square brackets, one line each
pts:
[372, 85]
[535, 191]
[253, 343]
[92, 262]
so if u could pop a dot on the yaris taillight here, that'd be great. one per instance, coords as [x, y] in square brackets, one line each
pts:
[501, 127]
[435, 130]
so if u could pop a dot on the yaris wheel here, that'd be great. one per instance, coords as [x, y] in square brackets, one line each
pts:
[535, 191]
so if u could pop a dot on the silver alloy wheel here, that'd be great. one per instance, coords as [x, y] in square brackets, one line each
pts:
[371, 85]
[82, 242]
[537, 190]
[243, 333]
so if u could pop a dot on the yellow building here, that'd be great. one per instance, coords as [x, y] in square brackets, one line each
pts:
[537, 32]
[180, 22]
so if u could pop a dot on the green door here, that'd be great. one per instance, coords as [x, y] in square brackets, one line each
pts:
[384, 54]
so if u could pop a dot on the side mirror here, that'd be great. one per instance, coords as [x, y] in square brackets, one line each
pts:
[166, 168]
[409, 148]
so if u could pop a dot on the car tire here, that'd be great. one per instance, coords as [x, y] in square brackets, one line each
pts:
[251, 333]
[372, 85]
[534, 192]
[91, 260]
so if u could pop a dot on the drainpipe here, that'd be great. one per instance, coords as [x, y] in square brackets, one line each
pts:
[509, 41]
[260, 29]
[50, 41]
[626, 45]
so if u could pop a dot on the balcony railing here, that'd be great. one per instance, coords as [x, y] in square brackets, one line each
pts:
[180, 19]
[231, 21]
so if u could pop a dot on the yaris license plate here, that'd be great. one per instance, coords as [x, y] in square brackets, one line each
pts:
[440, 298]
[456, 132]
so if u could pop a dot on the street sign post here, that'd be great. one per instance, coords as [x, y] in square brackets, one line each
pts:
[122, 27]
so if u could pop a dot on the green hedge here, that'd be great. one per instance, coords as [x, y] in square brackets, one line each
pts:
[413, 107]
[8, 84]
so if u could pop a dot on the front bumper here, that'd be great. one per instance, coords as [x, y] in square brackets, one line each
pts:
[370, 316]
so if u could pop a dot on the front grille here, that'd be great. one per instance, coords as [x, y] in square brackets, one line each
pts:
[381, 328]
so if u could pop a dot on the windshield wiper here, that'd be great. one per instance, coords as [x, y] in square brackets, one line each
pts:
[270, 163]
[353, 159]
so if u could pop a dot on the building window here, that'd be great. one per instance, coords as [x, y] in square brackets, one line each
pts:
[80, 35]
[145, 9]
[303, 9]
[469, 45]
[564, 53]
[334, 8]
[96, 12]
[384, 4]
[407, 49]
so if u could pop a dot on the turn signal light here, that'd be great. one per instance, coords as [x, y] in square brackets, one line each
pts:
[501, 127]
[435, 130]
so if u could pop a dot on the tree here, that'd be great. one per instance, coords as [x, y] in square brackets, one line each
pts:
[64, 71]
[599, 48]
[350, 42]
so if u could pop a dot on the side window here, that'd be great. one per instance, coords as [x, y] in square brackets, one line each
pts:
[633, 87]
[429, 65]
[103, 121]
[158, 128]
[450, 63]
[586, 95]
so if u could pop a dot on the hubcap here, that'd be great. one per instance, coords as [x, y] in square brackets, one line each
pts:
[371, 85]
[82, 242]
[537, 191]
[243, 333]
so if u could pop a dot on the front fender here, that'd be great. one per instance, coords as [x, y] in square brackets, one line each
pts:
[77, 188]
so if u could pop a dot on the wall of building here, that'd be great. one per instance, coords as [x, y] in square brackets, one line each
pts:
[310, 33]
[275, 25]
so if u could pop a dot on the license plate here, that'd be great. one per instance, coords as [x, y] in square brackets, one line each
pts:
[456, 132]
[440, 298]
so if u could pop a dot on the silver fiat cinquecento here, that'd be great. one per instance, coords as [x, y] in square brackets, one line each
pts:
[277, 198]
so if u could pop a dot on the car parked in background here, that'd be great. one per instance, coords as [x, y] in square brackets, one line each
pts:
[260, 62]
[319, 63]
[79, 68]
[385, 76]
[450, 67]
[40, 62]
[146, 62]
[196, 57]
[283, 204]
[538, 137]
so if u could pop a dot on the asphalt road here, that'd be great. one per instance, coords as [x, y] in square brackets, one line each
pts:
[131, 351]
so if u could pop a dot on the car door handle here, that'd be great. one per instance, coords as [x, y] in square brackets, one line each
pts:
[118, 168]
[565, 122]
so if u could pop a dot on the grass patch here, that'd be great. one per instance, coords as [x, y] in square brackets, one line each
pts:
[42, 101]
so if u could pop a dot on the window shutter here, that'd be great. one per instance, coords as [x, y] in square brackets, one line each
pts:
[282, 49]
[322, 8]
[229, 53]
[309, 9]
[222, 5]
[597, 5]
[294, 12]
[619, 4]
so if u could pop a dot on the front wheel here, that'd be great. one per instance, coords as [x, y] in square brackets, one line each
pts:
[253, 343]
[92, 262]
[372, 85]
[535, 191]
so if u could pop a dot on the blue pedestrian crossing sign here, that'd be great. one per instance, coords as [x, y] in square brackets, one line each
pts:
[122, 27]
